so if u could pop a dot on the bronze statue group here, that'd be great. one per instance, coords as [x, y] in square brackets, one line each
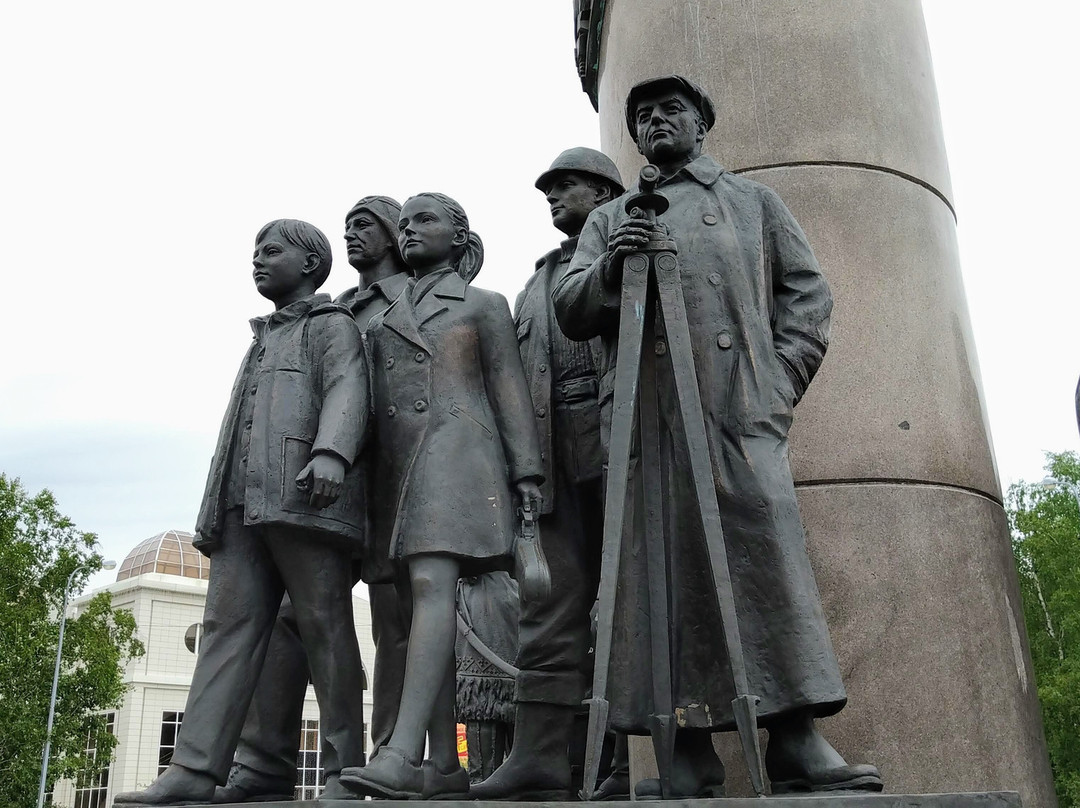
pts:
[393, 435]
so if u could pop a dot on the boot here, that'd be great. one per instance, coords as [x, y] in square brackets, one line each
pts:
[538, 768]
[697, 773]
[799, 759]
[616, 786]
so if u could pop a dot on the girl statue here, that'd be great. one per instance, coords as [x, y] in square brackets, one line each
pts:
[456, 450]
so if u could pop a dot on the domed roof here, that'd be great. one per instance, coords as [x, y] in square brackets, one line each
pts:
[170, 553]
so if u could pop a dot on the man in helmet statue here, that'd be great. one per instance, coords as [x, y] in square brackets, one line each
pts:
[554, 634]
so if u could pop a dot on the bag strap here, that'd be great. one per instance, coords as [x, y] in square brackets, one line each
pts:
[464, 623]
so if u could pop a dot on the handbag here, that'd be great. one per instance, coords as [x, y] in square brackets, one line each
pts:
[530, 565]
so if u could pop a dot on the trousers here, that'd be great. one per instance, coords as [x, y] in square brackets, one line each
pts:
[554, 635]
[252, 570]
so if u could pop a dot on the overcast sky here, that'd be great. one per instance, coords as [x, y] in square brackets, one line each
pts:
[145, 143]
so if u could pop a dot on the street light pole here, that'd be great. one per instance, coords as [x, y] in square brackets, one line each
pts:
[108, 565]
[1049, 483]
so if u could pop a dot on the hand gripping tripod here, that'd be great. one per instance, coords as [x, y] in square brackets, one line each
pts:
[651, 282]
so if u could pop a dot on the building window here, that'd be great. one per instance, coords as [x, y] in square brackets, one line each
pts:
[193, 638]
[92, 784]
[309, 770]
[170, 728]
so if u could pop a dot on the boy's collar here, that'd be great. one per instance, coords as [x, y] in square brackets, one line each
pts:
[294, 311]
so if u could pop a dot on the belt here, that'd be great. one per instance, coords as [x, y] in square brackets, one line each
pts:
[574, 390]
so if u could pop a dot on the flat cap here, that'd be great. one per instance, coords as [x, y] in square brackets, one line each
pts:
[582, 160]
[651, 87]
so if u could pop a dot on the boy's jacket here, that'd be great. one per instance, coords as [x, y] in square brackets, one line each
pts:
[307, 372]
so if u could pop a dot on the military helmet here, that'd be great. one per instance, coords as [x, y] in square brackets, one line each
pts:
[582, 160]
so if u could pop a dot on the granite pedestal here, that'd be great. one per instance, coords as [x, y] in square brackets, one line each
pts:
[992, 799]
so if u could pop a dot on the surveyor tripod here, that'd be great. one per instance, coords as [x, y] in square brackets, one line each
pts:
[651, 288]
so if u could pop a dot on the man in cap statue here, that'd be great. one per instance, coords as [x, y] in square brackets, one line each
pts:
[758, 312]
[264, 767]
[554, 634]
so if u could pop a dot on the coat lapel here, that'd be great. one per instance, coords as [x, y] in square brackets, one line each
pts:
[401, 318]
[430, 306]
[451, 287]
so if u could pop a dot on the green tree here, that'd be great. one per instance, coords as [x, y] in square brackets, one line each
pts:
[1045, 522]
[39, 549]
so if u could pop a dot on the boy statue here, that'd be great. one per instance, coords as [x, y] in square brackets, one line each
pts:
[281, 513]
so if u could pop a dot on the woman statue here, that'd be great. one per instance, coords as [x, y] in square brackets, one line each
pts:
[456, 450]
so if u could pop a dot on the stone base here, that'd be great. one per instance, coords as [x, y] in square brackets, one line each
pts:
[989, 799]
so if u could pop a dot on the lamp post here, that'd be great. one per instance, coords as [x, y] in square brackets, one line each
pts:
[1049, 483]
[106, 565]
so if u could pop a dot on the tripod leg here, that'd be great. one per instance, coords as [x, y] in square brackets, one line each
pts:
[662, 721]
[627, 366]
[673, 307]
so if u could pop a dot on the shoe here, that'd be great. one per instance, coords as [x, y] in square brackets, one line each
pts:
[538, 767]
[615, 787]
[451, 785]
[334, 790]
[174, 786]
[246, 785]
[389, 775]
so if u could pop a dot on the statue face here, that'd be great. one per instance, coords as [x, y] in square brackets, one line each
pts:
[668, 127]
[280, 267]
[366, 240]
[426, 235]
[572, 199]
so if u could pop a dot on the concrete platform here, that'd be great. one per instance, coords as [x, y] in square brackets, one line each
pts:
[990, 799]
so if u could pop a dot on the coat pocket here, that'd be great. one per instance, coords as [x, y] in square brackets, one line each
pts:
[295, 454]
[464, 415]
[347, 510]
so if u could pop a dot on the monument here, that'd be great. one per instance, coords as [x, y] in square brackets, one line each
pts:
[714, 317]
[832, 103]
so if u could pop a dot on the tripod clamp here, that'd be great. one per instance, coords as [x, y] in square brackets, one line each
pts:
[647, 204]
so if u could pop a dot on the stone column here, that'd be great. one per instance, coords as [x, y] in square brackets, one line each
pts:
[833, 104]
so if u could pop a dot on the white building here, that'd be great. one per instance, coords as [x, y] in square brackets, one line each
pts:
[162, 582]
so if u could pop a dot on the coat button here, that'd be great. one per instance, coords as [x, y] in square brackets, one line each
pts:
[724, 340]
[660, 347]
[391, 411]
[253, 513]
[390, 362]
[420, 405]
[709, 219]
[715, 279]
[541, 412]
[543, 368]
[419, 356]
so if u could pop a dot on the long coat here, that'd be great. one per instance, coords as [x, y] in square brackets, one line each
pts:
[758, 312]
[307, 373]
[454, 429]
[575, 449]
